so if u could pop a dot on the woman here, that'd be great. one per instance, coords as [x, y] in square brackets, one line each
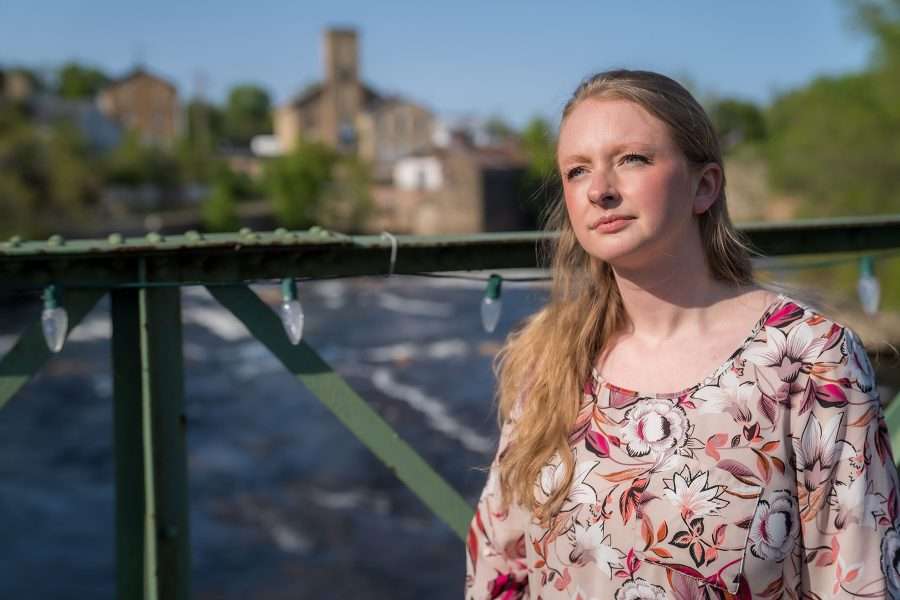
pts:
[767, 474]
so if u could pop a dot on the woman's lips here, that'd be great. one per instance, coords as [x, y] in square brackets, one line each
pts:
[612, 226]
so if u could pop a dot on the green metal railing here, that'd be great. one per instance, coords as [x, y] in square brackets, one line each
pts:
[143, 277]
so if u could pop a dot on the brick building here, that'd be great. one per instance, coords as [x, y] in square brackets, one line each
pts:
[144, 103]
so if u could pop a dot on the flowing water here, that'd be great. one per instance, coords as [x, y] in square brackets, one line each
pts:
[284, 502]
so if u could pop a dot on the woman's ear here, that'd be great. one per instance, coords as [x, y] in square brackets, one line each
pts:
[708, 184]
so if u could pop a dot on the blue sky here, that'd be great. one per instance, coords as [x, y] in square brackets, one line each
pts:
[513, 59]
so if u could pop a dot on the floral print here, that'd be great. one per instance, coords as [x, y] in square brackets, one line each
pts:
[654, 426]
[775, 527]
[890, 562]
[692, 495]
[638, 589]
[772, 478]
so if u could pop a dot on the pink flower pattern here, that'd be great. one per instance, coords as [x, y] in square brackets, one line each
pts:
[772, 478]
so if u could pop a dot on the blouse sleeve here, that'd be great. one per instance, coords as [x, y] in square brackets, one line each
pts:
[846, 479]
[495, 550]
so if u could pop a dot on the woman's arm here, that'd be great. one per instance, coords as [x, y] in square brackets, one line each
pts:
[846, 479]
[495, 548]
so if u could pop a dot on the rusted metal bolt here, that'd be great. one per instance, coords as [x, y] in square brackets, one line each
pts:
[115, 238]
[55, 240]
[154, 237]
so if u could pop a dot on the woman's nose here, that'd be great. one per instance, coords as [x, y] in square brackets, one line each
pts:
[601, 190]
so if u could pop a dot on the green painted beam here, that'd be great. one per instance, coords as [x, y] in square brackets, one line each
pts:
[824, 236]
[166, 535]
[128, 443]
[30, 352]
[352, 410]
[152, 525]
[228, 258]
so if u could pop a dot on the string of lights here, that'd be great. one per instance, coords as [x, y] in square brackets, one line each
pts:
[54, 319]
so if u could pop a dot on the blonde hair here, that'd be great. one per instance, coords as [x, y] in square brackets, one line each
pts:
[545, 363]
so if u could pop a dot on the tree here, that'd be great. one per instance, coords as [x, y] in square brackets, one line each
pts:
[219, 209]
[540, 183]
[134, 163]
[737, 121]
[835, 143]
[47, 178]
[347, 202]
[205, 124]
[76, 81]
[247, 113]
[296, 183]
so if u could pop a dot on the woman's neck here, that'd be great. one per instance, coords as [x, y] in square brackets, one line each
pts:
[673, 299]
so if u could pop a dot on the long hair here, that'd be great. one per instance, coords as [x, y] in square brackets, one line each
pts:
[544, 364]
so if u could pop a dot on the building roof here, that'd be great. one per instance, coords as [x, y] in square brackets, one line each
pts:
[136, 73]
[313, 91]
[307, 95]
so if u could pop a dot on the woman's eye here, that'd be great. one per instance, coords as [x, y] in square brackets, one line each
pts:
[574, 172]
[630, 158]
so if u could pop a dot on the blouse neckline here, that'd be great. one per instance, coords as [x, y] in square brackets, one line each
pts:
[600, 381]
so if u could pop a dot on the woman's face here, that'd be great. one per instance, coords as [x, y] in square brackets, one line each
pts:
[617, 161]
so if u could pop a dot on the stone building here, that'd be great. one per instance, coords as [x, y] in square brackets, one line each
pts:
[143, 103]
[459, 188]
[349, 115]
[425, 180]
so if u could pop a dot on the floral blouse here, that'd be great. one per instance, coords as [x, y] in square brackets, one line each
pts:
[771, 478]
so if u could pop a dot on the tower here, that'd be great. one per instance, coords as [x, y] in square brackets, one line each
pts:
[342, 98]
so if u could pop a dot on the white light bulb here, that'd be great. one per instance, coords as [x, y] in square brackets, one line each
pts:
[490, 313]
[867, 287]
[491, 303]
[869, 293]
[54, 320]
[292, 319]
[291, 312]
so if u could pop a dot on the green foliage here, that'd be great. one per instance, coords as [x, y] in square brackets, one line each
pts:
[205, 124]
[539, 143]
[247, 113]
[836, 142]
[540, 184]
[72, 180]
[296, 184]
[881, 19]
[195, 161]
[133, 163]
[737, 121]
[77, 81]
[837, 145]
[347, 204]
[46, 176]
[195, 151]
[219, 210]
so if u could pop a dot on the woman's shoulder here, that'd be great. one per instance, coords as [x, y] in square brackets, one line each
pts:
[801, 339]
[809, 325]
